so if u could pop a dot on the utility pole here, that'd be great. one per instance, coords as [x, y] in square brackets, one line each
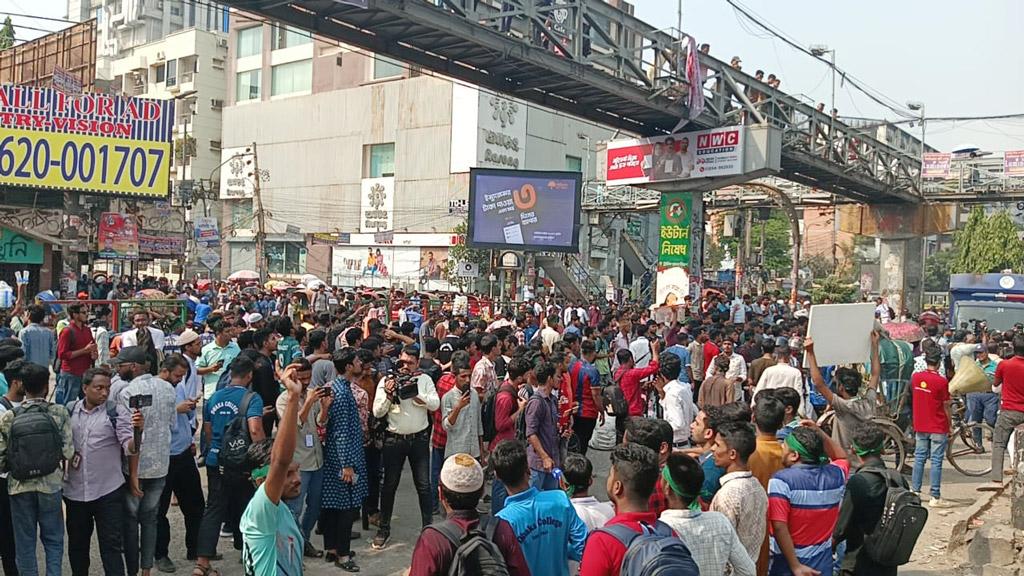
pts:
[261, 231]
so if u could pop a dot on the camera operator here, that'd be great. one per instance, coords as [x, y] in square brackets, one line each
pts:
[406, 398]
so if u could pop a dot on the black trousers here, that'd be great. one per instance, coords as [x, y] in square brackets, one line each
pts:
[415, 447]
[6, 532]
[620, 428]
[227, 498]
[107, 513]
[584, 429]
[183, 481]
[371, 505]
[337, 526]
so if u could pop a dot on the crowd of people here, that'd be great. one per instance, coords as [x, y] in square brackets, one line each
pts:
[304, 419]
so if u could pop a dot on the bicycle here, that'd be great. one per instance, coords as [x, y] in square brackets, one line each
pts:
[970, 443]
[894, 451]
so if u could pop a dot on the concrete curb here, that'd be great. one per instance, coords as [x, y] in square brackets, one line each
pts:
[958, 537]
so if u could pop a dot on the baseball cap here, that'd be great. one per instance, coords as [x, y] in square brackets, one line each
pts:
[134, 354]
[461, 473]
[252, 318]
[187, 337]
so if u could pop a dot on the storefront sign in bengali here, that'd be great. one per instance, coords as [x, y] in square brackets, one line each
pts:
[207, 231]
[161, 243]
[377, 204]
[118, 236]
[935, 165]
[674, 231]
[94, 143]
[682, 156]
[1013, 163]
[16, 248]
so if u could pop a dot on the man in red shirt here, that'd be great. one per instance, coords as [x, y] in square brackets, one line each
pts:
[629, 380]
[77, 351]
[507, 406]
[1009, 375]
[710, 349]
[931, 424]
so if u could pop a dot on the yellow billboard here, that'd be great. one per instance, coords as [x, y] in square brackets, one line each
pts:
[92, 143]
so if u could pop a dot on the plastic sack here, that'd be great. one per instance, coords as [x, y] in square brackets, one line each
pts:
[6, 295]
[969, 378]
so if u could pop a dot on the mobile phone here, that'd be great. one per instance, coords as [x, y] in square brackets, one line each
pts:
[140, 401]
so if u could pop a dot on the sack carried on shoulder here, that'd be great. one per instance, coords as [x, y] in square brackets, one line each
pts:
[969, 377]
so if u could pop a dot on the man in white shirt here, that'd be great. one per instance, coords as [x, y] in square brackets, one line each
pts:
[550, 334]
[673, 401]
[407, 409]
[882, 310]
[738, 310]
[782, 375]
[641, 347]
[737, 371]
[140, 319]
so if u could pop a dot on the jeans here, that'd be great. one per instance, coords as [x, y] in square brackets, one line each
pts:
[107, 513]
[498, 496]
[436, 462]
[69, 387]
[31, 511]
[542, 480]
[982, 406]
[183, 480]
[227, 497]
[1005, 423]
[312, 486]
[7, 553]
[935, 446]
[415, 447]
[141, 513]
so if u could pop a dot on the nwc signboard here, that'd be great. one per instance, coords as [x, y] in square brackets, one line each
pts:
[683, 156]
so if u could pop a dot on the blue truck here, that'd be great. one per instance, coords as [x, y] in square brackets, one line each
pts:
[996, 299]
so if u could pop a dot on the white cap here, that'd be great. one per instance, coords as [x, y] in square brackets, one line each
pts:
[462, 473]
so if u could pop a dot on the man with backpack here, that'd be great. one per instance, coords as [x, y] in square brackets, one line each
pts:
[34, 439]
[634, 542]
[868, 494]
[500, 414]
[232, 421]
[545, 522]
[467, 541]
[586, 386]
[76, 351]
[94, 485]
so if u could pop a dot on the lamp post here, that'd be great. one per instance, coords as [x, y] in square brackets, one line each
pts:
[184, 97]
[918, 106]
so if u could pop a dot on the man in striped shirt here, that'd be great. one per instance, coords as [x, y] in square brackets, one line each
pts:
[803, 502]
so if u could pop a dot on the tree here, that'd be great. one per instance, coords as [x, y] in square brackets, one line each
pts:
[778, 243]
[988, 244]
[463, 253]
[937, 269]
[7, 34]
[835, 289]
[184, 147]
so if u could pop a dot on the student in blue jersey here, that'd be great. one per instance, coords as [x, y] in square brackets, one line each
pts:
[545, 522]
[272, 542]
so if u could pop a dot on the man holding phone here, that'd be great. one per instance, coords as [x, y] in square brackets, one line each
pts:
[217, 356]
[460, 414]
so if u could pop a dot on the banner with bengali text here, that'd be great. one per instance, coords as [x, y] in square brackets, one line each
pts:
[935, 165]
[1013, 163]
[118, 236]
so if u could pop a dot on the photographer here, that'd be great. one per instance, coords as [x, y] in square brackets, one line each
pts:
[405, 398]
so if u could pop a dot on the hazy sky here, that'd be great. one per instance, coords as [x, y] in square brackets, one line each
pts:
[959, 58]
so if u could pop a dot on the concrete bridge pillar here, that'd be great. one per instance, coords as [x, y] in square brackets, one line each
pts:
[902, 273]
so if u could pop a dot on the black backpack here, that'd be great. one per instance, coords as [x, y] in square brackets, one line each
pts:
[903, 518]
[475, 551]
[487, 412]
[235, 442]
[35, 444]
[521, 421]
[654, 551]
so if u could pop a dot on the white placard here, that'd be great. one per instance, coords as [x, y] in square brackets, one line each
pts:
[841, 333]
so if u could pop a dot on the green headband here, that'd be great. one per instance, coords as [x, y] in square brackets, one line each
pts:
[667, 477]
[866, 451]
[260, 472]
[799, 448]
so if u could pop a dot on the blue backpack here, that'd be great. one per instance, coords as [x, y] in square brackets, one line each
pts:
[654, 551]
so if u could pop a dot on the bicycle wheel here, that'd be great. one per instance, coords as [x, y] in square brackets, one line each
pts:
[894, 451]
[970, 449]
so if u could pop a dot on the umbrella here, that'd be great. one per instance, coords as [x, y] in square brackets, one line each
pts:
[203, 284]
[151, 294]
[307, 279]
[243, 275]
[906, 331]
[314, 284]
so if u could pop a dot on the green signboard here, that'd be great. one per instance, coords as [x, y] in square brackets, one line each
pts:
[16, 248]
[674, 237]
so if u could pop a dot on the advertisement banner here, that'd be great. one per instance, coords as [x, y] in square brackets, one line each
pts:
[207, 231]
[93, 143]
[1013, 163]
[935, 165]
[674, 233]
[66, 81]
[161, 243]
[235, 181]
[118, 236]
[377, 204]
[526, 209]
[683, 156]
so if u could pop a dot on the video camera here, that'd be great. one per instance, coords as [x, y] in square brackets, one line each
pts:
[407, 385]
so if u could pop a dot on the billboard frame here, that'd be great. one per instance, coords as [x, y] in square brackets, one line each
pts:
[573, 248]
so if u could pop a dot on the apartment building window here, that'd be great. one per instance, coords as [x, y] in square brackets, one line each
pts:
[381, 160]
[241, 215]
[250, 41]
[172, 73]
[384, 67]
[291, 78]
[161, 73]
[286, 258]
[248, 86]
[285, 37]
[573, 163]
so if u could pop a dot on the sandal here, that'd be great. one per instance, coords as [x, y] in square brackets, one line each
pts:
[348, 565]
[198, 570]
[331, 557]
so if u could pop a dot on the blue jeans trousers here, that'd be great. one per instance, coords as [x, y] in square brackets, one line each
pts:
[498, 496]
[32, 511]
[312, 488]
[982, 407]
[141, 513]
[933, 446]
[542, 480]
[69, 387]
[436, 462]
